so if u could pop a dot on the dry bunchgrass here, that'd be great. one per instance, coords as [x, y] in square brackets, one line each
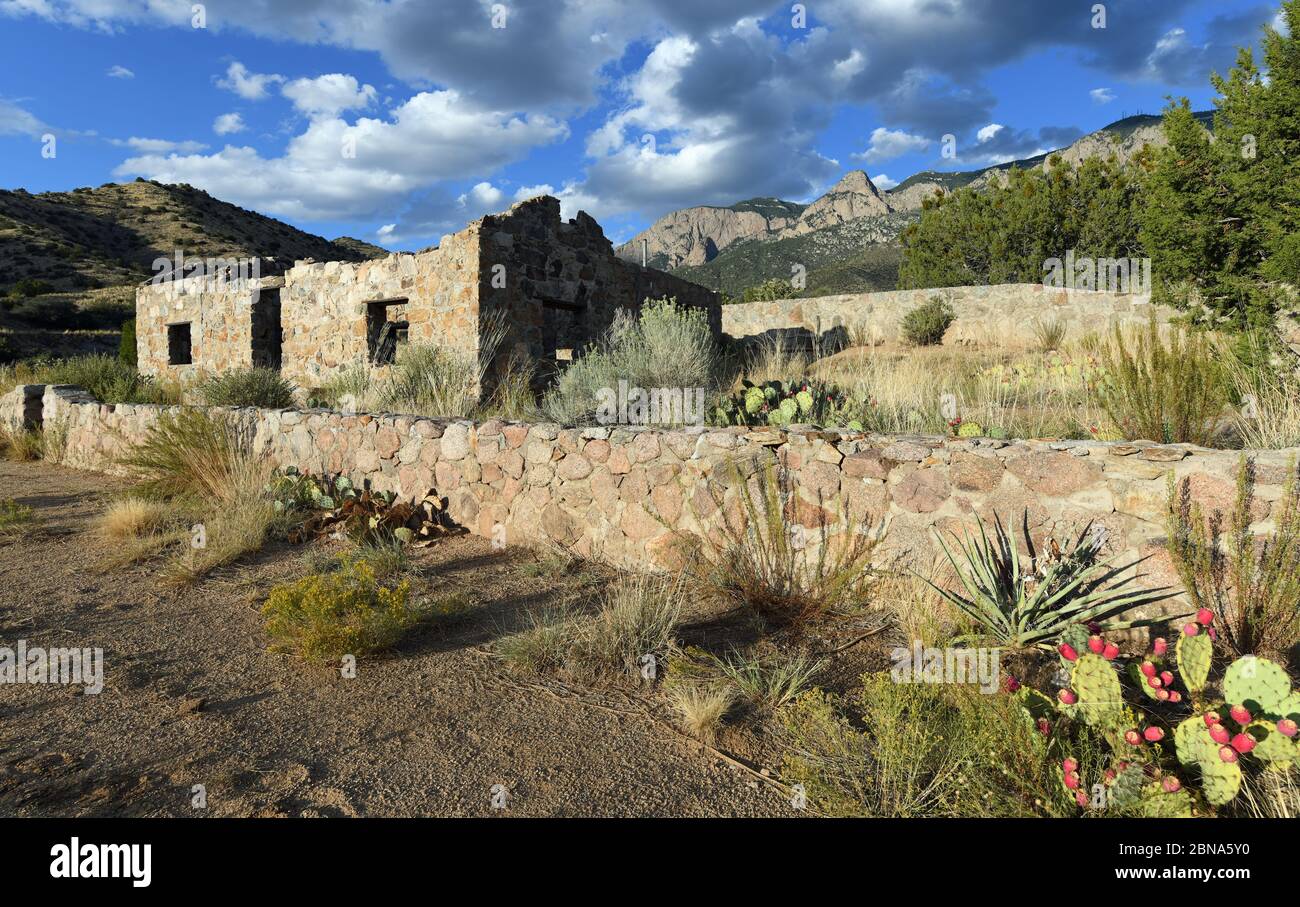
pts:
[763, 561]
[638, 615]
[21, 445]
[15, 519]
[701, 708]
[131, 517]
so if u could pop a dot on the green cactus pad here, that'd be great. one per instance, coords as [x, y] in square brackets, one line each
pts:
[754, 400]
[1220, 780]
[998, 434]
[1193, 743]
[1158, 803]
[1290, 707]
[1257, 683]
[805, 401]
[1194, 654]
[1101, 699]
[970, 430]
[1076, 636]
[1140, 681]
[1271, 746]
[1036, 704]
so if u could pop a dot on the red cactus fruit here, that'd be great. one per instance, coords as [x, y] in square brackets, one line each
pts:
[1110, 775]
[1220, 734]
[1072, 780]
[1191, 629]
[1067, 651]
[1160, 646]
[1205, 617]
[1044, 727]
[1153, 734]
[1069, 765]
[1155, 683]
[1096, 644]
[1243, 743]
[1110, 652]
[1067, 696]
[1010, 685]
[1171, 784]
[1132, 738]
[1210, 719]
[1175, 696]
[1163, 695]
[1286, 727]
[1093, 626]
[1148, 669]
[1081, 798]
[1228, 754]
[1167, 677]
[1240, 714]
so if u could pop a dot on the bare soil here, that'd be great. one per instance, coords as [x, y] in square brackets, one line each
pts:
[426, 730]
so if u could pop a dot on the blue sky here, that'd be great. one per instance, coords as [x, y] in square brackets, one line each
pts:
[398, 122]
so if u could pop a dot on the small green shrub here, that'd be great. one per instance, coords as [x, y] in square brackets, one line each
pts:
[928, 750]
[248, 387]
[926, 324]
[126, 351]
[106, 378]
[326, 616]
[14, 518]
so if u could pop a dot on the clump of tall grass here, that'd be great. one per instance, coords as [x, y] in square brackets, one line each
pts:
[107, 378]
[424, 379]
[1268, 417]
[773, 358]
[15, 519]
[666, 346]
[786, 575]
[204, 465]
[248, 387]
[1170, 391]
[701, 708]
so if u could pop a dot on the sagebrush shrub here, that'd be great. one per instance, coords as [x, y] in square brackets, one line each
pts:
[926, 324]
[666, 346]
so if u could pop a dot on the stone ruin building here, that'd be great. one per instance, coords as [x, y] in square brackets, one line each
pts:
[554, 286]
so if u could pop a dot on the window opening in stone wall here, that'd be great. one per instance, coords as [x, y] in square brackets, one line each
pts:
[267, 336]
[180, 346]
[386, 330]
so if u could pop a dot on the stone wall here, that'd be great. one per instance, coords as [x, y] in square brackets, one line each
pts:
[641, 497]
[986, 315]
[559, 284]
[555, 285]
[219, 318]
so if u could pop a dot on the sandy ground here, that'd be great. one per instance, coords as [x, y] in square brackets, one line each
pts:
[427, 730]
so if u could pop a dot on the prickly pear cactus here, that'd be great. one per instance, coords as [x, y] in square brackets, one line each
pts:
[1076, 637]
[805, 402]
[1158, 803]
[1220, 781]
[1258, 684]
[1093, 679]
[1194, 654]
[754, 400]
[970, 430]
[1270, 745]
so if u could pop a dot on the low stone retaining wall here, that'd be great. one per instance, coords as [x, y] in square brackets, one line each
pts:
[999, 315]
[639, 497]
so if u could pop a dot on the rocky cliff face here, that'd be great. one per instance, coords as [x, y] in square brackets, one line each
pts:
[853, 197]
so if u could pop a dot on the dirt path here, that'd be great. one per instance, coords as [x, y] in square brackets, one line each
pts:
[425, 731]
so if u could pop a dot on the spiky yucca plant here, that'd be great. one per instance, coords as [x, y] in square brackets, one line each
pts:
[1029, 602]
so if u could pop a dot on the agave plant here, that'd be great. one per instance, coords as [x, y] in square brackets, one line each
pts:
[1029, 602]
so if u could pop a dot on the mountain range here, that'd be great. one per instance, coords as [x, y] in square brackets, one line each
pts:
[847, 239]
